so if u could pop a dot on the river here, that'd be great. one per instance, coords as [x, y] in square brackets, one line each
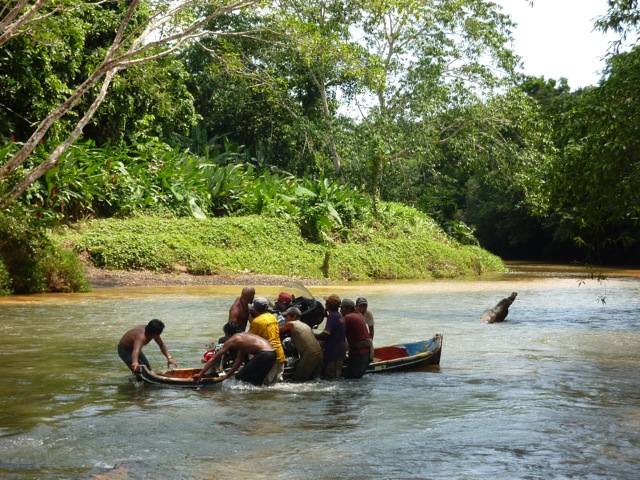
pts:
[552, 392]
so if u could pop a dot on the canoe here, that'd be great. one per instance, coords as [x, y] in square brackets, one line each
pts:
[394, 358]
[406, 356]
[177, 377]
[400, 358]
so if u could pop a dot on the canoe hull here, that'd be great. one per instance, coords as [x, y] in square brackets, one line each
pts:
[178, 377]
[395, 358]
[407, 356]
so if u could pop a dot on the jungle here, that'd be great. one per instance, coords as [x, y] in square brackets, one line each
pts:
[335, 139]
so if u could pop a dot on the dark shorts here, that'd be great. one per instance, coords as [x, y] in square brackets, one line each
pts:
[126, 356]
[357, 365]
[332, 370]
[257, 368]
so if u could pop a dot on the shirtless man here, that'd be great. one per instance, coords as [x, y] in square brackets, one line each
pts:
[131, 343]
[239, 311]
[256, 369]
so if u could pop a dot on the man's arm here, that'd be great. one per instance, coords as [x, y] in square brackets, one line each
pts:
[205, 368]
[323, 335]
[165, 351]
[135, 355]
[239, 359]
[286, 328]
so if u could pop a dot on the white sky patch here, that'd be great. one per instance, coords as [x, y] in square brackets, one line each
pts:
[555, 38]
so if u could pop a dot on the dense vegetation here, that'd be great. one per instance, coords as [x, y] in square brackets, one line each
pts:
[316, 114]
[260, 244]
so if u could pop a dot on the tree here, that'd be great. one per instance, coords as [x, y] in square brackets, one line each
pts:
[427, 58]
[593, 185]
[622, 17]
[147, 31]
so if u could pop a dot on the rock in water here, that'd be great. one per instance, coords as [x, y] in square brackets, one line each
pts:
[500, 311]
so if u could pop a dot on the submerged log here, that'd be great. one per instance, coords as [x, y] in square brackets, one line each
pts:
[500, 311]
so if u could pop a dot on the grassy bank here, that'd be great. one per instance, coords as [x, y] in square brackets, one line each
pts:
[388, 249]
[400, 243]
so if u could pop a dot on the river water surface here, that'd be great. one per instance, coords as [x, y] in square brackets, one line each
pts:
[552, 392]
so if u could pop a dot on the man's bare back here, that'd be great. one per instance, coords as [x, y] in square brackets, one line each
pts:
[131, 343]
[134, 336]
[244, 344]
[247, 343]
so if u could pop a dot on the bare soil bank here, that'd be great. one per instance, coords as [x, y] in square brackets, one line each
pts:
[101, 278]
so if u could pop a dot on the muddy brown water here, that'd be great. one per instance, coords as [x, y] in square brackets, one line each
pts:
[553, 392]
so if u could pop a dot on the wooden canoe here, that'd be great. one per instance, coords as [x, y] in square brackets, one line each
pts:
[406, 356]
[394, 358]
[177, 377]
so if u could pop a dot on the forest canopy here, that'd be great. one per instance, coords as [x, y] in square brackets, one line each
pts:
[202, 109]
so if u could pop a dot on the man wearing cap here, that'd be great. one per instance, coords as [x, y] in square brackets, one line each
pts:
[239, 312]
[334, 348]
[360, 345]
[265, 325]
[282, 303]
[362, 307]
[309, 364]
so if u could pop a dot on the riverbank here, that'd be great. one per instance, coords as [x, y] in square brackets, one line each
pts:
[100, 278]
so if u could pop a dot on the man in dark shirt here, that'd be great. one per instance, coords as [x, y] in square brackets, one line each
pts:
[360, 344]
[333, 338]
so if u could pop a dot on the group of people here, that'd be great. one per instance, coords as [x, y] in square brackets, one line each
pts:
[347, 339]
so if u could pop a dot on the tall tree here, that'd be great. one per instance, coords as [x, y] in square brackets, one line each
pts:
[593, 186]
[623, 18]
[427, 57]
[147, 31]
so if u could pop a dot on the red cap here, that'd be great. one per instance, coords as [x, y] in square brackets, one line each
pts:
[284, 297]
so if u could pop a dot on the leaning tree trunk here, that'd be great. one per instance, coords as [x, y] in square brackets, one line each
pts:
[500, 311]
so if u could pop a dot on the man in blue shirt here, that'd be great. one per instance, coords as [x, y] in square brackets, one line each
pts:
[333, 339]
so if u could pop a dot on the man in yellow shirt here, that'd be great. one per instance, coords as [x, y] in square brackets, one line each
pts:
[265, 325]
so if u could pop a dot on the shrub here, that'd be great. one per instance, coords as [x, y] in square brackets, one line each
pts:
[264, 245]
[34, 263]
[203, 246]
[5, 279]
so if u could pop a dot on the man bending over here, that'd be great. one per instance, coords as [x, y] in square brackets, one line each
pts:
[131, 343]
[256, 369]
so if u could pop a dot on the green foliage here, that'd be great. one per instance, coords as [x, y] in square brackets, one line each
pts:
[623, 18]
[32, 263]
[5, 279]
[592, 187]
[154, 178]
[251, 244]
[43, 65]
[111, 181]
[149, 101]
[329, 210]
[405, 258]
[36, 69]
[264, 245]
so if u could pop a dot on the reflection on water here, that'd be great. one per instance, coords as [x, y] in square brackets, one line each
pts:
[553, 392]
